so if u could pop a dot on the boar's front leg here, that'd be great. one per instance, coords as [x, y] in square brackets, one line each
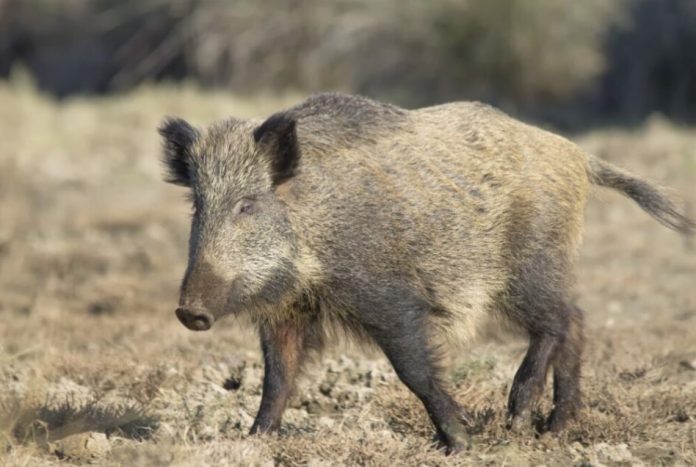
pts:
[403, 338]
[283, 348]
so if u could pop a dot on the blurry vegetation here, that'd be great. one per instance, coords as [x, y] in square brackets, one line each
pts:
[625, 58]
[652, 61]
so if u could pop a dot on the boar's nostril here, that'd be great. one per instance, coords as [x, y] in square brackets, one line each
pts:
[201, 322]
[196, 321]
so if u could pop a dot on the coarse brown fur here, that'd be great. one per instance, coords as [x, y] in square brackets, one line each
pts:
[398, 226]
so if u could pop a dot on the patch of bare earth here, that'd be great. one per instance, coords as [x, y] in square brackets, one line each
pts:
[94, 367]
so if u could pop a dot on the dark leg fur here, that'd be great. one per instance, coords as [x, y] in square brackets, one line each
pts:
[284, 349]
[567, 363]
[528, 384]
[536, 300]
[405, 344]
[563, 350]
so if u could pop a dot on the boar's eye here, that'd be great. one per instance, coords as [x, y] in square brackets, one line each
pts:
[243, 207]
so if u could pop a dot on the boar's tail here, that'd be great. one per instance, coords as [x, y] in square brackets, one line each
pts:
[648, 196]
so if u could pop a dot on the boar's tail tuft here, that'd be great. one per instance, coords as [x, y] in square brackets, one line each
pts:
[649, 197]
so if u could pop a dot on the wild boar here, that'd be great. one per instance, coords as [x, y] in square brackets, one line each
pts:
[396, 225]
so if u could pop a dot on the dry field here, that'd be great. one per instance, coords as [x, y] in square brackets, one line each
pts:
[95, 368]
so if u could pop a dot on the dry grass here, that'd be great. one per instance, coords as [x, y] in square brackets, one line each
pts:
[94, 367]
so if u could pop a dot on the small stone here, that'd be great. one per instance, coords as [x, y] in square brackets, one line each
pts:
[325, 388]
[82, 446]
[617, 453]
[688, 365]
[312, 406]
[326, 422]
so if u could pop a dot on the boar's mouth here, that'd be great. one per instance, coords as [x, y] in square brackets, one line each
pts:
[195, 320]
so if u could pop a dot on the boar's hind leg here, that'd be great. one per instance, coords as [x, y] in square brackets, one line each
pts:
[404, 342]
[284, 347]
[536, 300]
[556, 339]
[566, 372]
[528, 383]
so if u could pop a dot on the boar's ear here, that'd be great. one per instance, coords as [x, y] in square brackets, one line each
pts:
[178, 137]
[277, 137]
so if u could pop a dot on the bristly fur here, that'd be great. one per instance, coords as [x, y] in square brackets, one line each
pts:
[394, 225]
[178, 138]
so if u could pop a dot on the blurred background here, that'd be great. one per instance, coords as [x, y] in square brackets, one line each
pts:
[94, 366]
[561, 61]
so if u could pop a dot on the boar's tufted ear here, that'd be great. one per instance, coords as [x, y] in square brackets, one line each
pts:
[277, 137]
[178, 137]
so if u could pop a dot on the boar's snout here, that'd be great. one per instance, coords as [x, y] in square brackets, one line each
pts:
[195, 320]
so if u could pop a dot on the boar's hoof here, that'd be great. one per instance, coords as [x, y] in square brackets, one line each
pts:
[455, 445]
[559, 418]
[454, 440]
[521, 424]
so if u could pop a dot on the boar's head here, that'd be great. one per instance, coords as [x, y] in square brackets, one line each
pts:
[242, 246]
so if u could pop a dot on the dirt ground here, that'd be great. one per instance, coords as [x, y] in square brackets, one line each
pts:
[95, 368]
